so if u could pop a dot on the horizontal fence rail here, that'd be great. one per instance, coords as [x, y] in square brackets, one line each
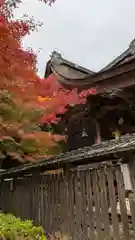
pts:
[82, 204]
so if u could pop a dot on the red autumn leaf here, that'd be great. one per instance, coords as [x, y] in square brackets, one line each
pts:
[26, 100]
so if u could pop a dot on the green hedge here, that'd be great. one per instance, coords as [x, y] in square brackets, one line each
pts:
[12, 228]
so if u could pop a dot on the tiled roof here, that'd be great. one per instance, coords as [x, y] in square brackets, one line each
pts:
[59, 61]
[72, 75]
[126, 56]
[92, 154]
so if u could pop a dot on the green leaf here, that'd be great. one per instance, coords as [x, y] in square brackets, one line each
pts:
[13, 228]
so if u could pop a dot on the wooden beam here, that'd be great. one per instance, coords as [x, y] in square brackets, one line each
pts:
[121, 81]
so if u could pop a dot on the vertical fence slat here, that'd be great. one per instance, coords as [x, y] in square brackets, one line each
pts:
[56, 216]
[59, 203]
[132, 207]
[90, 205]
[84, 205]
[121, 194]
[12, 197]
[48, 203]
[18, 201]
[132, 194]
[72, 218]
[30, 192]
[42, 201]
[30, 197]
[53, 203]
[27, 197]
[78, 203]
[61, 213]
[132, 171]
[10, 208]
[21, 202]
[22, 193]
[44, 210]
[104, 202]
[66, 204]
[97, 204]
[113, 203]
[35, 205]
[50, 198]
[38, 202]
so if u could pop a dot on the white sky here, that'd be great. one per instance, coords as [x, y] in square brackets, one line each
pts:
[88, 32]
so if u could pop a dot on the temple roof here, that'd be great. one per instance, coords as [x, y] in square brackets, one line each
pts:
[126, 56]
[69, 69]
[72, 75]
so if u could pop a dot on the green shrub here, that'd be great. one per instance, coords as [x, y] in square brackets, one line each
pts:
[12, 228]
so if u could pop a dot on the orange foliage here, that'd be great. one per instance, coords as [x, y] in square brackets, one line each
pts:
[20, 110]
[56, 98]
[26, 101]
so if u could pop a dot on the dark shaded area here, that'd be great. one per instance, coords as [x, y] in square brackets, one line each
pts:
[81, 132]
[8, 163]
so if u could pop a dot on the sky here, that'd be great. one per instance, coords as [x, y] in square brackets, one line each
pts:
[90, 33]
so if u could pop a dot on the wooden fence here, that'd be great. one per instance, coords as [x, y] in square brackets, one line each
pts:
[92, 202]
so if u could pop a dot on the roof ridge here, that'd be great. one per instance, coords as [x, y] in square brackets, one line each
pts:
[57, 56]
[130, 51]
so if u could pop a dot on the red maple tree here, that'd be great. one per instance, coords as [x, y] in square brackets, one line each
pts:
[26, 100]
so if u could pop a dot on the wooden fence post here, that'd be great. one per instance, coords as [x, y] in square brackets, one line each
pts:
[126, 176]
[131, 194]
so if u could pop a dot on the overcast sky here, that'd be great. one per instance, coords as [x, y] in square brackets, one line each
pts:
[88, 32]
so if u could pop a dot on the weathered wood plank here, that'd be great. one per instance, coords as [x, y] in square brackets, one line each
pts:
[121, 195]
[42, 202]
[62, 203]
[50, 200]
[104, 202]
[28, 187]
[56, 204]
[97, 204]
[53, 198]
[35, 204]
[78, 204]
[66, 204]
[38, 202]
[45, 207]
[132, 207]
[59, 204]
[91, 219]
[72, 215]
[84, 205]
[113, 204]
[35, 197]
[51, 185]
[132, 171]
[132, 194]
